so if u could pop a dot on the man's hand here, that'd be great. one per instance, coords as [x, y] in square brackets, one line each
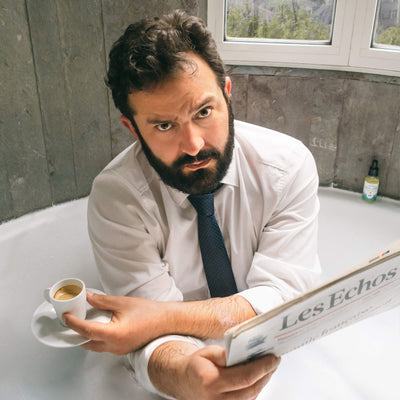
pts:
[138, 321]
[135, 322]
[177, 370]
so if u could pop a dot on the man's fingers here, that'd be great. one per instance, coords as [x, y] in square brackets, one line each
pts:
[93, 330]
[242, 376]
[98, 347]
[250, 392]
[102, 301]
[88, 329]
[257, 369]
[216, 354]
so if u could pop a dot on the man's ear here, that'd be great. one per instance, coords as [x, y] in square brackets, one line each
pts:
[228, 87]
[128, 124]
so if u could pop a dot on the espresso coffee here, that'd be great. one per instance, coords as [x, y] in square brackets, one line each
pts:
[67, 292]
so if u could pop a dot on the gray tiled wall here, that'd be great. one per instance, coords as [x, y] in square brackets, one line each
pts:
[346, 119]
[58, 126]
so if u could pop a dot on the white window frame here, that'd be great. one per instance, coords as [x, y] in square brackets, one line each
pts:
[350, 48]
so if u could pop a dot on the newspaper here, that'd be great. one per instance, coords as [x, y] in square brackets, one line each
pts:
[369, 288]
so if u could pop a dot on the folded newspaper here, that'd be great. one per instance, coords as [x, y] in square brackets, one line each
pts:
[369, 288]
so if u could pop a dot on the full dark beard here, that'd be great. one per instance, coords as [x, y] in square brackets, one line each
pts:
[203, 180]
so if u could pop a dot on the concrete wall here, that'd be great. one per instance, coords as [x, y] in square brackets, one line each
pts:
[346, 119]
[59, 128]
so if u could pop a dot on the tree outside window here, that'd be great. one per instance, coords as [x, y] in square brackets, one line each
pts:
[387, 23]
[289, 20]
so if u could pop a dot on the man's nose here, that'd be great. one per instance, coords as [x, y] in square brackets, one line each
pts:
[192, 140]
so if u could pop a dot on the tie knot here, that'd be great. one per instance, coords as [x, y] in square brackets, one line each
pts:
[203, 203]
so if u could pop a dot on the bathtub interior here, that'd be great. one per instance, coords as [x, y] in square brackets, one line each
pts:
[359, 362]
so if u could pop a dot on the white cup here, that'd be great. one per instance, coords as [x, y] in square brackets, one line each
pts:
[75, 305]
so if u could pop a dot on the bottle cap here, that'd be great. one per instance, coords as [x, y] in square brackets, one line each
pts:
[373, 169]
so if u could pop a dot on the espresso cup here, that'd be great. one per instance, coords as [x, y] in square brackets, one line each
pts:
[67, 295]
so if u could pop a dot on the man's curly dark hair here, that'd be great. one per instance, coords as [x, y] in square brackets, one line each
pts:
[154, 49]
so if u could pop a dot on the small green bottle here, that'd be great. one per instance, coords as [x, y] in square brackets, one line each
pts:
[371, 183]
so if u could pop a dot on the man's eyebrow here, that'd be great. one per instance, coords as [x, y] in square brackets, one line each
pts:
[157, 119]
[207, 100]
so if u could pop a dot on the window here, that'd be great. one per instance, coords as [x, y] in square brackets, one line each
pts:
[353, 35]
[387, 25]
[288, 21]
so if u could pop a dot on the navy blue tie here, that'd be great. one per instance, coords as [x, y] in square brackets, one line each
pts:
[217, 265]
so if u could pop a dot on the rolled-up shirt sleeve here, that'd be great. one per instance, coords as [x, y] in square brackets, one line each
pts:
[286, 262]
[128, 258]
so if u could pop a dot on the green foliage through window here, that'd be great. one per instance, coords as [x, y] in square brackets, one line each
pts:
[390, 36]
[283, 19]
[387, 17]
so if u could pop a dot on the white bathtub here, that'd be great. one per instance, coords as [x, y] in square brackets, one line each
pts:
[360, 362]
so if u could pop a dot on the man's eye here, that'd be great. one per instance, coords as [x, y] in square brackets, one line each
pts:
[164, 126]
[205, 112]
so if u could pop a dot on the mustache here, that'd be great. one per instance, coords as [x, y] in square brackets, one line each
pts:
[201, 156]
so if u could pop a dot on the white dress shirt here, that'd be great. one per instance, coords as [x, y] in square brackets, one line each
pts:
[144, 233]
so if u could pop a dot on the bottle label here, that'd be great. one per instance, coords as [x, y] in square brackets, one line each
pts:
[370, 191]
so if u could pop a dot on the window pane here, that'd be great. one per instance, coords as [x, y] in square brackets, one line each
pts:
[287, 20]
[387, 24]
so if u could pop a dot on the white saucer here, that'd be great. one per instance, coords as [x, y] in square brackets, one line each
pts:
[49, 331]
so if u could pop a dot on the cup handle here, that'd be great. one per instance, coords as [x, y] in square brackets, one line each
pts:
[46, 295]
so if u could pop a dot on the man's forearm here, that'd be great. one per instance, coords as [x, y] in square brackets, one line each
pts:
[136, 322]
[167, 366]
[208, 318]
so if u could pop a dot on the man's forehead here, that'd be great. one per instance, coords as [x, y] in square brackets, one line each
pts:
[191, 87]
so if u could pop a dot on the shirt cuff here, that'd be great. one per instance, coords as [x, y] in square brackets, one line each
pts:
[262, 298]
[139, 360]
